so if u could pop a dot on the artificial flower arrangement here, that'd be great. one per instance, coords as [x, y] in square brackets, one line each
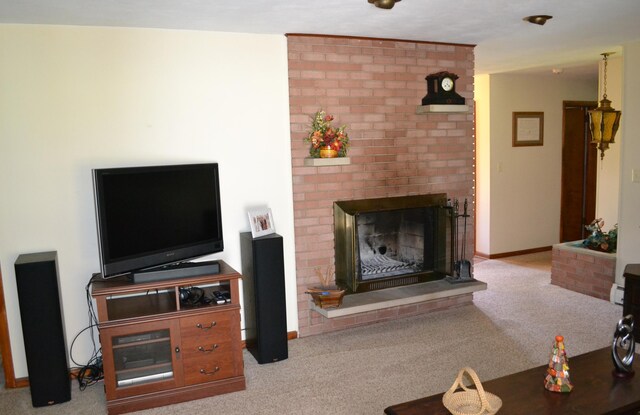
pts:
[599, 240]
[324, 136]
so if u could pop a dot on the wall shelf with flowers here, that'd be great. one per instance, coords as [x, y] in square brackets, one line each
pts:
[327, 145]
[320, 162]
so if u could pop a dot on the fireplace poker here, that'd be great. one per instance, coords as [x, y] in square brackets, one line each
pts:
[465, 264]
[456, 253]
[462, 267]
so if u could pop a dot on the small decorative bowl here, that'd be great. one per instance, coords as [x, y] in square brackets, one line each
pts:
[326, 297]
[328, 152]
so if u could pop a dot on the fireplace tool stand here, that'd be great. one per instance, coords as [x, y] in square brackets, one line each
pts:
[462, 267]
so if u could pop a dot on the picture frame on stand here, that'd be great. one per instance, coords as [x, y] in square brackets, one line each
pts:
[261, 222]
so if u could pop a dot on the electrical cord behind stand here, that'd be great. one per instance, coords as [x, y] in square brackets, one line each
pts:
[92, 372]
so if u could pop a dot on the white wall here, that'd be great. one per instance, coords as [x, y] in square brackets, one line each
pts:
[524, 193]
[77, 98]
[482, 94]
[629, 212]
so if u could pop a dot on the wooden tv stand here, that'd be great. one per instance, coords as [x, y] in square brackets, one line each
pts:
[157, 351]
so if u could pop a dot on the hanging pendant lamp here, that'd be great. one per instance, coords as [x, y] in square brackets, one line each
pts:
[604, 120]
[384, 4]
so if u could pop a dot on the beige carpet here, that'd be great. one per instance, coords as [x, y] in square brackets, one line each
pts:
[509, 328]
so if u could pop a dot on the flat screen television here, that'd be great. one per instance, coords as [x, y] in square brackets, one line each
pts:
[156, 215]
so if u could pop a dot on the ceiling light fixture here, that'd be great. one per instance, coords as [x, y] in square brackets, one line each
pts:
[604, 120]
[538, 19]
[384, 4]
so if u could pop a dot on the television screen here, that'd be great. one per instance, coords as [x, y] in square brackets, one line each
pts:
[157, 215]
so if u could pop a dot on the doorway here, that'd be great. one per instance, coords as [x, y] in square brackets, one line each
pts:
[579, 171]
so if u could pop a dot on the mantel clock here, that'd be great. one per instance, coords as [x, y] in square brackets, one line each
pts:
[441, 89]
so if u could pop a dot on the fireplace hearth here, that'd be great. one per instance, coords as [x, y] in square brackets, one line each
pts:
[391, 242]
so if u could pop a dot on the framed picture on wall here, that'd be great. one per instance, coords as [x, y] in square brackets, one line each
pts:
[261, 222]
[528, 129]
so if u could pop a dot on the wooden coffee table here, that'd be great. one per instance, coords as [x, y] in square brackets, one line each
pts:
[595, 391]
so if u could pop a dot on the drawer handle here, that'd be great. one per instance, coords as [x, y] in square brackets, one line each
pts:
[202, 349]
[201, 327]
[204, 372]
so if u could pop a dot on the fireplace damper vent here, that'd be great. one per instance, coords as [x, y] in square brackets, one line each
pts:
[389, 242]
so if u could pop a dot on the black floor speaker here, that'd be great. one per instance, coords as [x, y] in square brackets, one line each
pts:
[265, 310]
[42, 328]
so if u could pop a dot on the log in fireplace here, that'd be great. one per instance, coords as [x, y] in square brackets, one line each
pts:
[389, 242]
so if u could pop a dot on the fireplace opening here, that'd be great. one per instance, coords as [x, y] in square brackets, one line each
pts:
[389, 242]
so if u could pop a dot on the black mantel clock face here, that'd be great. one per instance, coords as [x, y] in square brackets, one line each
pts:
[441, 89]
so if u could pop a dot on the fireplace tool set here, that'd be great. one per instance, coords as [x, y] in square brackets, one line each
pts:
[461, 267]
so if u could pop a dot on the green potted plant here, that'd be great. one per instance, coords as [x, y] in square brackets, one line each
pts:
[599, 240]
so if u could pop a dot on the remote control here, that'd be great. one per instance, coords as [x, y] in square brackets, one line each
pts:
[227, 296]
[218, 297]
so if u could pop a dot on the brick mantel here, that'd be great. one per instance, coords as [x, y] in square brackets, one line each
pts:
[373, 86]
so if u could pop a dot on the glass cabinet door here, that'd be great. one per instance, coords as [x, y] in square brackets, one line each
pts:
[146, 358]
[142, 357]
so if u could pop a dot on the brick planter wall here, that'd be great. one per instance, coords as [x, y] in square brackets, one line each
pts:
[373, 87]
[584, 271]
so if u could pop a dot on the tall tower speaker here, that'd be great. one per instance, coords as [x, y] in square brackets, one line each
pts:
[42, 328]
[265, 311]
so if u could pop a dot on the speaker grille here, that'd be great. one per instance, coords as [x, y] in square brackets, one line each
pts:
[42, 328]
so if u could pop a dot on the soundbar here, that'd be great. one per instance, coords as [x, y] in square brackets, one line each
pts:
[174, 271]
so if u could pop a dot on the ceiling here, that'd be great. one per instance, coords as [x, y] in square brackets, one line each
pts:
[572, 40]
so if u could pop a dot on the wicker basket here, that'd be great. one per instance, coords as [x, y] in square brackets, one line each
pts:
[326, 298]
[470, 401]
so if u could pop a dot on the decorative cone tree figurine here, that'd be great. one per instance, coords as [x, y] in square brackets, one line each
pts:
[557, 379]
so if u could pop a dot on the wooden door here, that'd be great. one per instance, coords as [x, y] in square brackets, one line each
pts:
[579, 163]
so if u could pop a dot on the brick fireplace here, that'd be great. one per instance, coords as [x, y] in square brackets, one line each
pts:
[374, 87]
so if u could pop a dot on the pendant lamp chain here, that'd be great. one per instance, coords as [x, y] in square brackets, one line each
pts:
[606, 55]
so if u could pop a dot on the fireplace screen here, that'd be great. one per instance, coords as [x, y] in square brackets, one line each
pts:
[382, 243]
